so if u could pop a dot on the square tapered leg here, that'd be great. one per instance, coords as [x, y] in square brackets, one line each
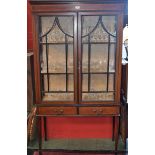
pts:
[39, 134]
[45, 129]
[116, 132]
[113, 128]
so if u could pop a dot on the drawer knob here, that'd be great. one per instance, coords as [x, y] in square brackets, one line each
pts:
[94, 110]
[58, 111]
[61, 111]
[100, 110]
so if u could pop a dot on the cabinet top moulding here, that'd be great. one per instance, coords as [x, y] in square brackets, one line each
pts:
[52, 6]
[75, 1]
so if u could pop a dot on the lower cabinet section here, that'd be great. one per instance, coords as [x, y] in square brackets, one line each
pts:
[57, 111]
[99, 111]
[82, 111]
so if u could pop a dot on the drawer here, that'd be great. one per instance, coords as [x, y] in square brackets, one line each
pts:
[57, 111]
[99, 110]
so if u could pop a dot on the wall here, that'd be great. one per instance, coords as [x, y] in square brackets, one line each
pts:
[29, 27]
[73, 127]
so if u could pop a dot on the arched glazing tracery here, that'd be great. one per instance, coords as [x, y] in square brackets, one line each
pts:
[98, 48]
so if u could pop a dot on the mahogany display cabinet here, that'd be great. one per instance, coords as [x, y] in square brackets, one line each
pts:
[77, 47]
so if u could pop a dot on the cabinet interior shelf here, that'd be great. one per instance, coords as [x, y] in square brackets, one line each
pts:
[84, 73]
[59, 43]
[82, 91]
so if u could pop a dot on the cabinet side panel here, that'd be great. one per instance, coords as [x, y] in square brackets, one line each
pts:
[119, 56]
[36, 56]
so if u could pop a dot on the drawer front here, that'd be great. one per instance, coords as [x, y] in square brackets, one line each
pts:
[99, 111]
[57, 111]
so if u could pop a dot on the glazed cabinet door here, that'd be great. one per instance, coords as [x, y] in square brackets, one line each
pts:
[98, 57]
[57, 58]
[79, 57]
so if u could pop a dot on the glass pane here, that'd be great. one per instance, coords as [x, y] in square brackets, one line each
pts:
[44, 83]
[56, 58]
[98, 82]
[88, 24]
[98, 96]
[66, 24]
[57, 82]
[98, 57]
[43, 59]
[46, 24]
[70, 58]
[111, 82]
[85, 58]
[99, 35]
[110, 24]
[70, 83]
[97, 27]
[85, 82]
[58, 97]
[56, 28]
[112, 58]
[55, 85]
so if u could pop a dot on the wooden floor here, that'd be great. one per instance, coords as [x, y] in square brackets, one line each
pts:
[60, 153]
[74, 146]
